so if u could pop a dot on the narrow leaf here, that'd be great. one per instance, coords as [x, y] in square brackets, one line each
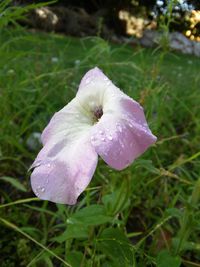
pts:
[14, 182]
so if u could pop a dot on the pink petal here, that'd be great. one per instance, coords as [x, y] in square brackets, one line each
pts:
[122, 137]
[122, 133]
[91, 77]
[72, 139]
[61, 178]
[65, 124]
[66, 164]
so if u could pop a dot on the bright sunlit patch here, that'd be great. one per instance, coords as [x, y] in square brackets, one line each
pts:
[100, 120]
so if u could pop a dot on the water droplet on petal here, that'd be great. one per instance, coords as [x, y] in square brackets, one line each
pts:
[38, 189]
[130, 125]
[103, 139]
[88, 80]
[131, 144]
[110, 138]
[101, 132]
[105, 79]
[37, 193]
[108, 83]
[92, 138]
[119, 128]
[42, 189]
[92, 104]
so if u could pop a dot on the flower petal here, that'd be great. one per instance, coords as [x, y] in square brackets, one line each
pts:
[76, 135]
[120, 137]
[69, 122]
[66, 164]
[122, 133]
[62, 178]
[92, 77]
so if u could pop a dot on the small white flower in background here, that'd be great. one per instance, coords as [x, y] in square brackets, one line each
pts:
[77, 62]
[11, 72]
[54, 59]
[34, 141]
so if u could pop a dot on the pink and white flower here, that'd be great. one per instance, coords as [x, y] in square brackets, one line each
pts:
[100, 120]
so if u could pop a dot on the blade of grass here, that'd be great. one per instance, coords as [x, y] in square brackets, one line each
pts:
[20, 201]
[17, 229]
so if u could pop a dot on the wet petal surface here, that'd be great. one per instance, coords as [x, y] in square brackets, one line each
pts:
[100, 120]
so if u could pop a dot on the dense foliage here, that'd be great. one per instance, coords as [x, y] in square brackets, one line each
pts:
[148, 214]
[153, 10]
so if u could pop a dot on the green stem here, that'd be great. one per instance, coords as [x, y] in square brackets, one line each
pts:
[187, 220]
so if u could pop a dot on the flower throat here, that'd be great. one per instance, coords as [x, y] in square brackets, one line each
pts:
[97, 114]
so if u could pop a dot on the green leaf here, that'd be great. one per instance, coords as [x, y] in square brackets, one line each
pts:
[14, 182]
[165, 259]
[75, 258]
[119, 199]
[72, 231]
[114, 244]
[91, 215]
[174, 212]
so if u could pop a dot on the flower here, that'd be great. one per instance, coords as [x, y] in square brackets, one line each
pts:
[100, 120]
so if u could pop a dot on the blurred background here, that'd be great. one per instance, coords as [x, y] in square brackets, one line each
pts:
[146, 215]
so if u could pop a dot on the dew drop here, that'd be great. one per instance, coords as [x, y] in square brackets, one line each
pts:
[108, 83]
[92, 104]
[130, 125]
[110, 138]
[101, 132]
[48, 165]
[119, 128]
[103, 139]
[37, 193]
[39, 189]
[92, 138]
[88, 80]
[131, 144]
[105, 79]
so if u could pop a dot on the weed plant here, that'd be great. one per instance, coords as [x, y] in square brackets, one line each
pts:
[148, 214]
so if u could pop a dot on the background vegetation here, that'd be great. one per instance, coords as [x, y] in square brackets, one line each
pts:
[146, 215]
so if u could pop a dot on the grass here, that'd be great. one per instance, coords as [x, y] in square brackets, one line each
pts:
[146, 215]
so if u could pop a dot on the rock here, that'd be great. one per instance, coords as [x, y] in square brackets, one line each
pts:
[179, 42]
[150, 38]
[74, 21]
[77, 22]
[196, 49]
